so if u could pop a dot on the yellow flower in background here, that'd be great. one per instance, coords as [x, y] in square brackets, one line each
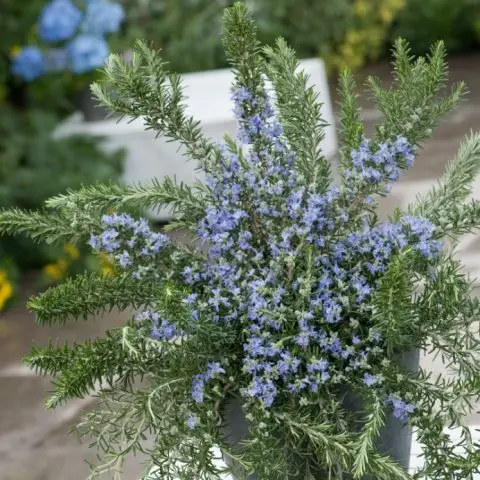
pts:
[361, 8]
[15, 50]
[72, 251]
[364, 40]
[53, 271]
[56, 270]
[386, 14]
[108, 271]
[6, 289]
[106, 265]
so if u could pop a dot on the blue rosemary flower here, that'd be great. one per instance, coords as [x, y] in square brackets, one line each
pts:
[401, 409]
[249, 275]
[370, 380]
[192, 421]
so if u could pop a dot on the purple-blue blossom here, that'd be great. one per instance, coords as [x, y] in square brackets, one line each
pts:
[198, 388]
[192, 421]
[164, 330]
[370, 380]
[401, 409]
[199, 380]
[380, 164]
[131, 242]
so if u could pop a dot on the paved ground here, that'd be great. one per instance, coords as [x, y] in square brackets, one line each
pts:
[34, 444]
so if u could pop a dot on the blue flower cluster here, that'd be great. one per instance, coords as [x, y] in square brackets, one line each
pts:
[29, 63]
[401, 409]
[59, 21]
[83, 30]
[283, 265]
[130, 243]
[160, 328]
[379, 164]
[213, 369]
[192, 421]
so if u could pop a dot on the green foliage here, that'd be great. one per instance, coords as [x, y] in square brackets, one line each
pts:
[144, 385]
[393, 303]
[78, 368]
[166, 116]
[415, 106]
[29, 155]
[310, 27]
[187, 32]
[445, 203]
[98, 294]
[423, 22]
[299, 112]
[185, 202]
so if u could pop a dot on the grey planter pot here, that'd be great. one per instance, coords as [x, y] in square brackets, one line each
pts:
[395, 438]
[92, 111]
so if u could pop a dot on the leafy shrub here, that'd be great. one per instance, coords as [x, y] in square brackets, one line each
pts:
[456, 22]
[364, 39]
[311, 27]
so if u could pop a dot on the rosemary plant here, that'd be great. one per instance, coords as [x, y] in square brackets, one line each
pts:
[291, 290]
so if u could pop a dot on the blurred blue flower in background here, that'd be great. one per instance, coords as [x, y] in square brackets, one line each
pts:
[87, 52]
[82, 32]
[29, 63]
[56, 59]
[59, 21]
[103, 16]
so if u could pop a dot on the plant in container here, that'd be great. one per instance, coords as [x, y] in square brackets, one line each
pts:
[287, 333]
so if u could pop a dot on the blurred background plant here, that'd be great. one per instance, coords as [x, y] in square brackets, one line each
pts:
[45, 62]
[187, 31]
[364, 39]
[311, 27]
[456, 22]
[345, 33]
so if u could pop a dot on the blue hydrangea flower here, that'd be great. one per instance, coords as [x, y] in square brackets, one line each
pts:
[59, 21]
[56, 59]
[103, 17]
[29, 63]
[87, 52]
